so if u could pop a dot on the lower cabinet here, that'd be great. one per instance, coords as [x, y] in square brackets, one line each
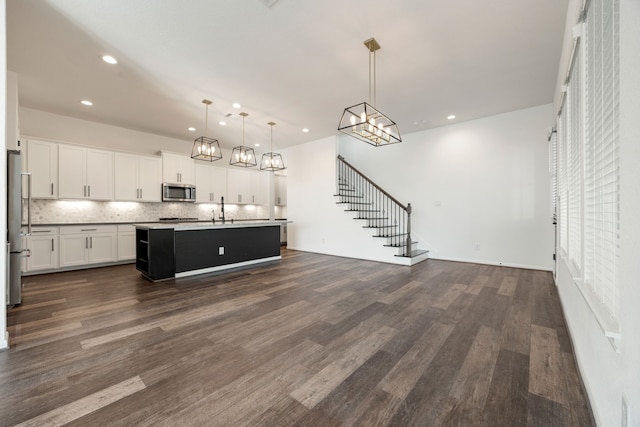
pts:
[81, 245]
[126, 242]
[43, 249]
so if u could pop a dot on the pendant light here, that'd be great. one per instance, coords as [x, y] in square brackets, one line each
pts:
[272, 161]
[363, 121]
[243, 156]
[205, 148]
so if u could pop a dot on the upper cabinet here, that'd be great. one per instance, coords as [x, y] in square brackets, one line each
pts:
[211, 183]
[42, 164]
[247, 187]
[12, 120]
[280, 188]
[137, 178]
[178, 169]
[85, 173]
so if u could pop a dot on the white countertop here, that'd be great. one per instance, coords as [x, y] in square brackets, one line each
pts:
[185, 226]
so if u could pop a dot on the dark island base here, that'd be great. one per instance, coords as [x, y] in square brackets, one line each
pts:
[168, 253]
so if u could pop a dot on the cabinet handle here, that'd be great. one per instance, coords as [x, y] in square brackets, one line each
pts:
[40, 231]
[239, 198]
[86, 243]
[88, 229]
[91, 242]
[52, 188]
[141, 193]
[89, 190]
[84, 191]
[52, 248]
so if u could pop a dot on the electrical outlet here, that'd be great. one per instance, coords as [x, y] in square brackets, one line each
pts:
[626, 413]
[221, 250]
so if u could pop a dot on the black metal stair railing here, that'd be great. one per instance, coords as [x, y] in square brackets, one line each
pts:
[382, 212]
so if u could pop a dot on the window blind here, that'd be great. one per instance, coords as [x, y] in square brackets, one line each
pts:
[601, 194]
[563, 228]
[574, 168]
[553, 171]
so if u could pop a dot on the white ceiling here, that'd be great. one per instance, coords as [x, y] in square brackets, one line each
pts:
[298, 63]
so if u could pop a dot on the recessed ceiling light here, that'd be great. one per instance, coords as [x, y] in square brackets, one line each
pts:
[109, 59]
[191, 129]
[236, 105]
[222, 123]
[305, 130]
[86, 102]
[451, 117]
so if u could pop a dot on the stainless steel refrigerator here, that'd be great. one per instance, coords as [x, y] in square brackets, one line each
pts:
[15, 249]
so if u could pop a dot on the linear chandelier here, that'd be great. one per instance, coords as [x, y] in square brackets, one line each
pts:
[205, 148]
[364, 121]
[243, 156]
[272, 161]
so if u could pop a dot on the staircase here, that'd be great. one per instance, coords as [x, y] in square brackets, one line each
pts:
[388, 219]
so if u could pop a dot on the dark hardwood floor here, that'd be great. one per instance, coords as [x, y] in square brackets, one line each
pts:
[311, 340]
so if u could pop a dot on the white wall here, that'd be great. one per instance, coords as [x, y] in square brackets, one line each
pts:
[319, 224]
[479, 189]
[482, 182]
[3, 178]
[609, 375]
[54, 127]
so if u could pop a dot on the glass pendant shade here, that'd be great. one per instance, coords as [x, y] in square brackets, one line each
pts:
[205, 148]
[365, 122]
[241, 155]
[272, 161]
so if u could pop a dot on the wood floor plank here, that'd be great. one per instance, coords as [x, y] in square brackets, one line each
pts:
[86, 405]
[545, 375]
[357, 342]
[324, 382]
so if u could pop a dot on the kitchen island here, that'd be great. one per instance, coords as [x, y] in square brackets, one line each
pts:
[168, 250]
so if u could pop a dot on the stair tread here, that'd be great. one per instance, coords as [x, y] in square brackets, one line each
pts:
[373, 219]
[399, 245]
[391, 235]
[353, 203]
[379, 226]
[349, 195]
[360, 210]
[414, 253]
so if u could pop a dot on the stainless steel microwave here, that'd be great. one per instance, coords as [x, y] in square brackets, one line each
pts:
[178, 193]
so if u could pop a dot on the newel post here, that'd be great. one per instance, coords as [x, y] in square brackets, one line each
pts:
[408, 247]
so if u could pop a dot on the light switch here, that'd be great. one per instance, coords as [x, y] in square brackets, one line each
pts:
[221, 250]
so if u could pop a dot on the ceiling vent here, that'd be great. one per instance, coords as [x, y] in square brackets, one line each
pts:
[269, 3]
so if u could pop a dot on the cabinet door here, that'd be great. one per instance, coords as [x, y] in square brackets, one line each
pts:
[102, 248]
[187, 169]
[239, 186]
[72, 172]
[74, 249]
[258, 188]
[42, 163]
[281, 190]
[126, 177]
[44, 253]
[204, 187]
[218, 183]
[99, 176]
[178, 169]
[150, 179]
[126, 245]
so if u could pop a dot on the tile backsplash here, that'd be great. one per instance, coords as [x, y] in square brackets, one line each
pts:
[83, 211]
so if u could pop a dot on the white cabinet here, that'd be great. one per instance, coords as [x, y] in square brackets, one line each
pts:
[42, 163]
[178, 169]
[259, 182]
[280, 188]
[43, 249]
[137, 178]
[80, 245]
[12, 123]
[211, 183]
[85, 173]
[238, 186]
[126, 242]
